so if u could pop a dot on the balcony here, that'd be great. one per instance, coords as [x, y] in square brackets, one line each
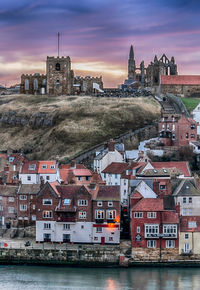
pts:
[164, 236]
[157, 235]
[168, 235]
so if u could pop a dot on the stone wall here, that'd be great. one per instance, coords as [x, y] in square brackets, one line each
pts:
[186, 90]
[33, 84]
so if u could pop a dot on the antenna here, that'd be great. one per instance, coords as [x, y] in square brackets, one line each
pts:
[58, 43]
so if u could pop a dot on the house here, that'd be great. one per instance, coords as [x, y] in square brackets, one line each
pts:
[187, 195]
[176, 130]
[8, 205]
[26, 205]
[106, 215]
[154, 227]
[189, 235]
[33, 171]
[106, 157]
[64, 214]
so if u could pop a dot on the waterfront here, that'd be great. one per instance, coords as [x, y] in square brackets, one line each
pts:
[28, 277]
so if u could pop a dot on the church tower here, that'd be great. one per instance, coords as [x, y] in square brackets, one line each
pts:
[131, 65]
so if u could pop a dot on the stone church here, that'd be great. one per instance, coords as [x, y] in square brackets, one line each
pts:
[59, 80]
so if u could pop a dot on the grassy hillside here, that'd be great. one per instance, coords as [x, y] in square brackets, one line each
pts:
[190, 103]
[80, 122]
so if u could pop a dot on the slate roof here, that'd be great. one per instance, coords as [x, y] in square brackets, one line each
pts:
[8, 190]
[186, 188]
[29, 189]
[108, 192]
[180, 80]
[115, 168]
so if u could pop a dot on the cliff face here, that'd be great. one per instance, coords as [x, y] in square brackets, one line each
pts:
[45, 126]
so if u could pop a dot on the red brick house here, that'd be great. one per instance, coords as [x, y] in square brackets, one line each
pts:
[177, 130]
[8, 205]
[154, 226]
[26, 204]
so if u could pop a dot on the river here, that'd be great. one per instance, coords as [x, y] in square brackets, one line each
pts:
[54, 278]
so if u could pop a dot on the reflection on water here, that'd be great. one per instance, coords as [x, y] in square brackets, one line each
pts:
[54, 278]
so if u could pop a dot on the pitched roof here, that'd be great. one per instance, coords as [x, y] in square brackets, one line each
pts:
[180, 80]
[29, 189]
[108, 192]
[8, 190]
[145, 190]
[149, 204]
[42, 167]
[82, 172]
[186, 188]
[182, 166]
[116, 168]
[170, 217]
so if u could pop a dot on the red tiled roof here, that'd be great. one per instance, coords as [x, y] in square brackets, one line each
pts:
[149, 204]
[180, 80]
[182, 166]
[38, 167]
[115, 168]
[82, 172]
[68, 166]
[184, 223]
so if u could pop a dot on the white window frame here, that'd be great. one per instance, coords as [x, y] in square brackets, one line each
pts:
[110, 203]
[170, 229]
[99, 214]
[23, 197]
[82, 202]
[151, 244]
[52, 167]
[11, 209]
[151, 215]
[23, 207]
[151, 229]
[32, 167]
[138, 215]
[170, 244]
[111, 214]
[47, 214]
[99, 230]
[66, 227]
[47, 226]
[82, 215]
[44, 166]
[100, 203]
[46, 200]
[66, 201]
[11, 199]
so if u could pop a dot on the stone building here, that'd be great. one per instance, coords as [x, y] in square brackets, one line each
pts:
[59, 80]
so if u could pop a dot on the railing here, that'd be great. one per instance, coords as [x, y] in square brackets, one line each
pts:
[157, 235]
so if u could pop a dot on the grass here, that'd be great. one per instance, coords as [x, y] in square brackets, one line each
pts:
[190, 103]
[80, 122]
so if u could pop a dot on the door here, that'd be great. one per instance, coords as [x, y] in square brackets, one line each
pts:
[102, 240]
[66, 238]
[47, 237]
[186, 248]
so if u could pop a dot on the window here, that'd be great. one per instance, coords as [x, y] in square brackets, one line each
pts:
[57, 66]
[82, 202]
[151, 244]
[190, 211]
[190, 199]
[111, 214]
[95, 238]
[32, 167]
[186, 248]
[124, 191]
[47, 201]
[44, 166]
[66, 227]
[98, 230]
[29, 178]
[47, 177]
[1, 207]
[170, 244]
[184, 199]
[23, 207]
[186, 236]
[33, 206]
[66, 201]
[23, 197]
[33, 217]
[11, 210]
[151, 230]
[82, 227]
[138, 215]
[47, 226]
[192, 126]
[110, 203]
[31, 196]
[87, 178]
[47, 214]
[124, 181]
[173, 136]
[0, 197]
[192, 136]
[35, 84]
[184, 211]
[186, 135]
[79, 178]
[52, 166]
[110, 239]
[11, 159]
[170, 229]
[11, 199]
[151, 215]
[99, 214]
[99, 203]
[26, 85]
[82, 214]
[162, 186]
[192, 225]
[116, 176]
[138, 230]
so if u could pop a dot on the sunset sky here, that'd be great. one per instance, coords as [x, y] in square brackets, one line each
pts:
[97, 34]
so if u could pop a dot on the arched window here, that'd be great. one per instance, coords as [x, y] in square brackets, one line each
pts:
[35, 84]
[26, 85]
[58, 66]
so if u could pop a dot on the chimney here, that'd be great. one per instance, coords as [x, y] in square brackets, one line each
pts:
[73, 164]
[111, 146]
[41, 182]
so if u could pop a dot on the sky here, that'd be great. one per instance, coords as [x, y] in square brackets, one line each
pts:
[97, 35]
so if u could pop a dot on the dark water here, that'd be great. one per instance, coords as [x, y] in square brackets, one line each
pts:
[39, 278]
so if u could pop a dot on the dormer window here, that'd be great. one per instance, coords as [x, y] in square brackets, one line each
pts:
[32, 167]
[192, 126]
[11, 159]
[66, 201]
[44, 166]
[52, 166]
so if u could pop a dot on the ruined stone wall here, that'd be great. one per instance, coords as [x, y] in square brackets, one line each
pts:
[27, 84]
[186, 90]
[86, 84]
